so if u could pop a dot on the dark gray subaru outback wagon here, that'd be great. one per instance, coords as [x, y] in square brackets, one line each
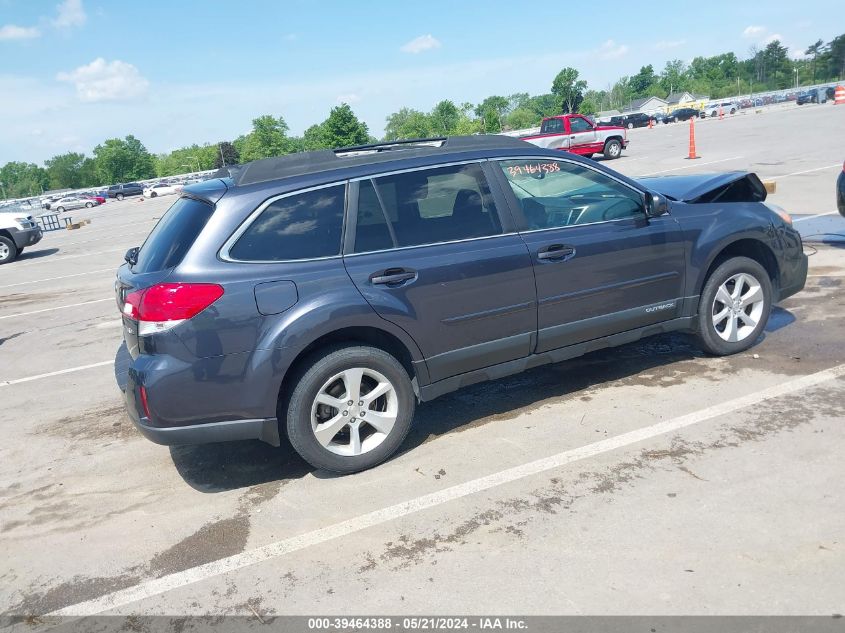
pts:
[322, 295]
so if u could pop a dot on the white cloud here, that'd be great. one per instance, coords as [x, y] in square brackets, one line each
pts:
[70, 14]
[773, 37]
[753, 32]
[349, 97]
[10, 32]
[667, 44]
[106, 81]
[420, 44]
[611, 50]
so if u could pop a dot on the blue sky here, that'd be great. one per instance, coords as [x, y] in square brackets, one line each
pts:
[75, 72]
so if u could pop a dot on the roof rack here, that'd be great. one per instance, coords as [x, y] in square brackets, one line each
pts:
[298, 164]
[386, 146]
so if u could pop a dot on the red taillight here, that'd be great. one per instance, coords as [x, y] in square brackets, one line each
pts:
[163, 306]
[144, 403]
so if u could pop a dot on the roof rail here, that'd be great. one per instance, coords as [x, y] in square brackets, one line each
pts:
[386, 146]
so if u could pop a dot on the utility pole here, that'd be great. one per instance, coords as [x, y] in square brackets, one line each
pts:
[222, 158]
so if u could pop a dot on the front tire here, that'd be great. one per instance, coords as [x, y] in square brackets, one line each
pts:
[612, 149]
[119, 196]
[153, 194]
[734, 306]
[60, 209]
[332, 434]
[8, 250]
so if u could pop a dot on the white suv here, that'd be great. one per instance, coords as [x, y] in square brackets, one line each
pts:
[17, 231]
[728, 107]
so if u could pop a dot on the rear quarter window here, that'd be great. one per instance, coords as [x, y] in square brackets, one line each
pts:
[304, 225]
[174, 234]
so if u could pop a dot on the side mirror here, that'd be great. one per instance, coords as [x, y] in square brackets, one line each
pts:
[655, 205]
[131, 256]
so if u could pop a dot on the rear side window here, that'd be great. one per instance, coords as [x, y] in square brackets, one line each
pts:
[424, 207]
[174, 234]
[551, 126]
[301, 226]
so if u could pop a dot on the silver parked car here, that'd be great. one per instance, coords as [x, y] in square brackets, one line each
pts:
[72, 202]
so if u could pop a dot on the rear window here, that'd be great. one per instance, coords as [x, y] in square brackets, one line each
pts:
[301, 226]
[173, 235]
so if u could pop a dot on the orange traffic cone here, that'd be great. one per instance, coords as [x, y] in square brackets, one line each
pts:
[721, 114]
[692, 155]
[650, 123]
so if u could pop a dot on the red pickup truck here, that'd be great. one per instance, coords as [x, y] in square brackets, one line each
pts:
[577, 134]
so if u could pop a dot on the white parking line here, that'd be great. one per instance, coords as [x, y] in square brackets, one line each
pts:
[32, 282]
[806, 171]
[690, 166]
[69, 370]
[810, 217]
[99, 239]
[177, 580]
[48, 260]
[70, 305]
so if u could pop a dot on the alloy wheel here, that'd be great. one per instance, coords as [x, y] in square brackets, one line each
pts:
[354, 411]
[737, 307]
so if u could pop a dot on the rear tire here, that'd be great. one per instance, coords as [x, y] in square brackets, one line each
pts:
[60, 209]
[734, 306]
[349, 441]
[8, 250]
[612, 149]
[88, 205]
[630, 126]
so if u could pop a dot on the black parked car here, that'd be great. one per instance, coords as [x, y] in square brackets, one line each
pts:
[683, 114]
[636, 119]
[840, 191]
[322, 295]
[122, 191]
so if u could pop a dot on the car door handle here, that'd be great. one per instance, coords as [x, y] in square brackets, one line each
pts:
[556, 252]
[392, 276]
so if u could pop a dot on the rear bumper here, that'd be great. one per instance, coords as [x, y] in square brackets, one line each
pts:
[129, 382]
[264, 430]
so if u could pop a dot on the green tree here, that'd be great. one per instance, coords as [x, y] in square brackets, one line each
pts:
[543, 105]
[343, 129]
[642, 81]
[521, 118]
[492, 112]
[88, 173]
[267, 138]
[444, 118]
[407, 123]
[21, 180]
[834, 55]
[122, 160]
[569, 89]
[226, 153]
[588, 106]
[65, 171]
[674, 77]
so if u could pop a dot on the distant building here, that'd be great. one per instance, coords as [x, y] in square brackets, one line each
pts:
[648, 105]
[683, 98]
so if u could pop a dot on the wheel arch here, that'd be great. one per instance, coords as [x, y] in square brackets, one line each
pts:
[405, 352]
[749, 247]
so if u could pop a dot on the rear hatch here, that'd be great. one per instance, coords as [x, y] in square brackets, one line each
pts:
[162, 251]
